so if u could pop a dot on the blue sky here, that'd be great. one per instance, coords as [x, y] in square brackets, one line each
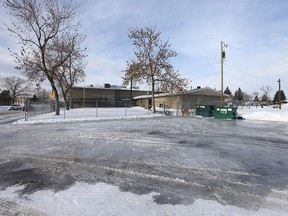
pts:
[256, 33]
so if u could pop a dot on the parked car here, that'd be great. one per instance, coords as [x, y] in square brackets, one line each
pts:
[15, 107]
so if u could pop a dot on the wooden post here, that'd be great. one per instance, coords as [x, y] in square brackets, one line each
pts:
[279, 94]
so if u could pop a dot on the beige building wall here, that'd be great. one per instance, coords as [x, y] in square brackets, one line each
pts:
[145, 103]
[190, 101]
[180, 101]
[185, 101]
[172, 102]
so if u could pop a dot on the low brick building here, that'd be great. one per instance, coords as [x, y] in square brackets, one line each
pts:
[102, 97]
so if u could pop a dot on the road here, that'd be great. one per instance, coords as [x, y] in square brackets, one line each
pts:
[236, 163]
[7, 117]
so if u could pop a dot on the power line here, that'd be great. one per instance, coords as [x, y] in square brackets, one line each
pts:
[240, 70]
[198, 68]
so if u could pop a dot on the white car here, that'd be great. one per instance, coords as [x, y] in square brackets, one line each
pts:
[15, 107]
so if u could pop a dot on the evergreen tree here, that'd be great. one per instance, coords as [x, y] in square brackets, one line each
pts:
[227, 91]
[239, 95]
[276, 96]
[5, 98]
[256, 99]
[264, 99]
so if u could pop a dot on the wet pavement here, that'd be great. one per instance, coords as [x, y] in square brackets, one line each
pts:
[236, 163]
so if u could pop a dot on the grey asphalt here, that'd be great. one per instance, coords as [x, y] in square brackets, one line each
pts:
[236, 163]
[8, 117]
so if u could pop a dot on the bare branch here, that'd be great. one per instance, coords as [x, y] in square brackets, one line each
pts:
[152, 60]
[49, 36]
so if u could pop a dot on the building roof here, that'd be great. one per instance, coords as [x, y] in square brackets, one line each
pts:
[197, 92]
[109, 89]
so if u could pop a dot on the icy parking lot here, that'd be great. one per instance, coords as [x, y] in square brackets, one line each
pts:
[173, 165]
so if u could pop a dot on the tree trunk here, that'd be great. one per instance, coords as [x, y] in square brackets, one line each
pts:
[66, 102]
[57, 102]
[153, 95]
[131, 94]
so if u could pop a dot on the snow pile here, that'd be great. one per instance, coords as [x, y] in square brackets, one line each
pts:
[267, 113]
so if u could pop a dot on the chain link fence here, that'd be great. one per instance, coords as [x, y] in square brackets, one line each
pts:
[104, 108]
[101, 103]
[33, 108]
[120, 108]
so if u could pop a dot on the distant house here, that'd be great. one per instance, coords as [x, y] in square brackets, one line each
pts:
[102, 97]
[182, 100]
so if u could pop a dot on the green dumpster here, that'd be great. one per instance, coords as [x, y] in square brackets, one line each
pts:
[226, 112]
[205, 110]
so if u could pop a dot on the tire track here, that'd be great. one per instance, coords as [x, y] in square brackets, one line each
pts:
[144, 177]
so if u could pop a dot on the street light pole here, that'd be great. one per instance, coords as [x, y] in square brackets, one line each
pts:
[222, 57]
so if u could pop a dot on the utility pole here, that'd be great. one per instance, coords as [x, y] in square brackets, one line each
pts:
[222, 57]
[279, 94]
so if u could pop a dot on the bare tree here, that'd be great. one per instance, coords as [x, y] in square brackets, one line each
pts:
[247, 97]
[42, 94]
[41, 26]
[72, 71]
[17, 87]
[152, 57]
[132, 76]
[170, 81]
[266, 91]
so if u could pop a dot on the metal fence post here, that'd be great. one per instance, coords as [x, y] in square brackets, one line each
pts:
[96, 109]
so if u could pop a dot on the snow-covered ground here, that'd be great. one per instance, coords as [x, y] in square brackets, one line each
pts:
[90, 114]
[267, 113]
[104, 199]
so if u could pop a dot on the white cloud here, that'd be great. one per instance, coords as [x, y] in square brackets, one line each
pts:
[254, 30]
